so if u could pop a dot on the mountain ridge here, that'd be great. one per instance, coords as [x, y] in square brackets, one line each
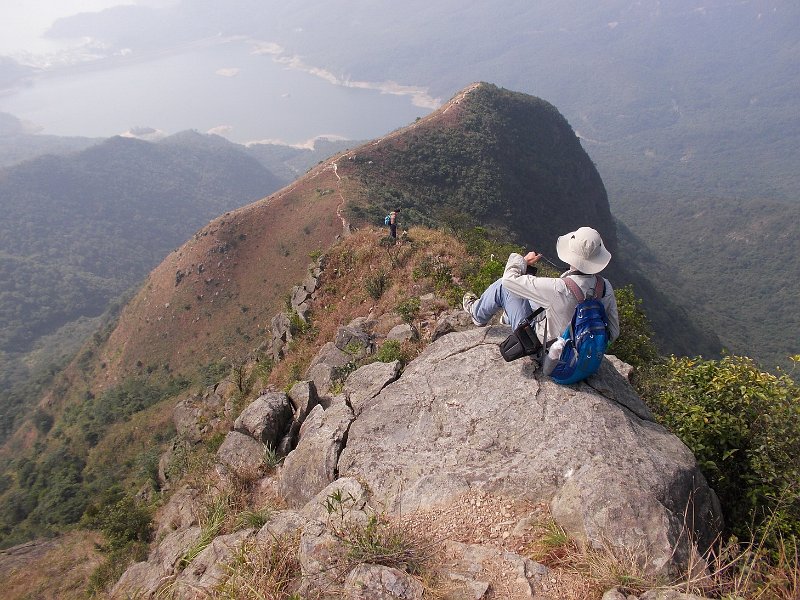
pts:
[345, 184]
[207, 300]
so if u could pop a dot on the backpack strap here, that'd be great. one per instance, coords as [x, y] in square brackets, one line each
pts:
[575, 289]
[599, 288]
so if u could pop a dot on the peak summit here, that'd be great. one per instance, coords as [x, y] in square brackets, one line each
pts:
[493, 157]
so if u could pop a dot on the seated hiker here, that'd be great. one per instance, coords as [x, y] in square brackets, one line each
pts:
[519, 294]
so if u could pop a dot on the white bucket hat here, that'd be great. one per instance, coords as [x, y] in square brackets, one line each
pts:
[584, 250]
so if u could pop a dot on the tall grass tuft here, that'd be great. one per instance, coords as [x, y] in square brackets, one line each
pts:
[210, 527]
[263, 571]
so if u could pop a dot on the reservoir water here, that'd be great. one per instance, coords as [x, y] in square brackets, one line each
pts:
[221, 86]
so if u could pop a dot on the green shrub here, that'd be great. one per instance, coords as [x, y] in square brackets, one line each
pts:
[263, 368]
[148, 466]
[297, 325]
[213, 372]
[354, 347]
[376, 285]
[390, 351]
[743, 425]
[408, 309]
[5, 482]
[121, 519]
[440, 274]
[126, 525]
[16, 506]
[43, 420]
[485, 273]
[635, 342]
[294, 375]
[214, 442]
[339, 374]
[435, 269]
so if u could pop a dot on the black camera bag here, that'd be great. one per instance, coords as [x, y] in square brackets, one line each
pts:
[523, 341]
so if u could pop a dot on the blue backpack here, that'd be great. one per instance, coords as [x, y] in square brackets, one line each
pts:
[585, 338]
[387, 219]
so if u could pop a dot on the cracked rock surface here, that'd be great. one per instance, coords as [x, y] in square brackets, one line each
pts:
[460, 417]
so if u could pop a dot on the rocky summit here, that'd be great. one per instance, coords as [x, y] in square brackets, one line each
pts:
[460, 417]
[457, 427]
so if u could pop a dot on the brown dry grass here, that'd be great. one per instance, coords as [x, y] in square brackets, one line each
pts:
[262, 571]
[343, 294]
[250, 259]
[583, 573]
[52, 570]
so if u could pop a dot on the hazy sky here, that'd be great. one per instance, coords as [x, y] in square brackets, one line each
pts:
[251, 90]
[23, 24]
[261, 69]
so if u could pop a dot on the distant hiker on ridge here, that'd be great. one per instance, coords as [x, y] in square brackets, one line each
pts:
[520, 294]
[393, 223]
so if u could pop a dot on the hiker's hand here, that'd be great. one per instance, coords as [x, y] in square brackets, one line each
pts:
[531, 257]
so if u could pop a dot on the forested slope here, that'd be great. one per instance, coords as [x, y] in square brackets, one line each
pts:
[739, 259]
[80, 229]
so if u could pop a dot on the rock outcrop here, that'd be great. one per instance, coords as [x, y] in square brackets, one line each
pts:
[460, 417]
[266, 419]
[353, 342]
[313, 464]
[283, 330]
[457, 421]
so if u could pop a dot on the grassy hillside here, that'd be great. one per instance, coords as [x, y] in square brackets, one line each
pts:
[679, 101]
[511, 162]
[220, 289]
[103, 473]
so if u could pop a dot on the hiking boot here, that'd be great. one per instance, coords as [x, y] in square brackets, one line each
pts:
[467, 302]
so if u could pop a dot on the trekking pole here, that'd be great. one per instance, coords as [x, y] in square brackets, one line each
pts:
[549, 262]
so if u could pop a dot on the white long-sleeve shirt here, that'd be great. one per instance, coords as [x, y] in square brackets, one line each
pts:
[554, 295]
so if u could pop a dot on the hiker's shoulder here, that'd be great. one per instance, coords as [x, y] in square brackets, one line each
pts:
[609, 287]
